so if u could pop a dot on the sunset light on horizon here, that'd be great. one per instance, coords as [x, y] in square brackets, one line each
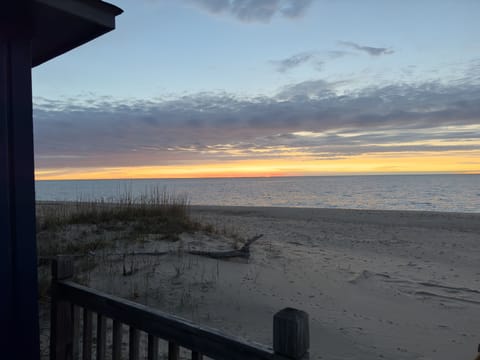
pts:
[423, 163]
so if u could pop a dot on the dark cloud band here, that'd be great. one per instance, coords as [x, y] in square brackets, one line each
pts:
[310, 116]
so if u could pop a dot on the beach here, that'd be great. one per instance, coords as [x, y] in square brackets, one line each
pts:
[376, 284]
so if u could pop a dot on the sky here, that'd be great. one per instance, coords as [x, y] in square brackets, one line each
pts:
[227, 88]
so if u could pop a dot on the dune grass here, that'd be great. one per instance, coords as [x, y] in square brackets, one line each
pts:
[95, 223]
[154, 203]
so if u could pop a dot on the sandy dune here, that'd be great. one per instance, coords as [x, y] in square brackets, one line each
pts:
[376, 284]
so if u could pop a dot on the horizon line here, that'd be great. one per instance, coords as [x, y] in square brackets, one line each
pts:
[265, 176]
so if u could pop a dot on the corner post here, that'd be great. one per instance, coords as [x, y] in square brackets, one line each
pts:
[19, 337]
[62, 342]
[291, 336]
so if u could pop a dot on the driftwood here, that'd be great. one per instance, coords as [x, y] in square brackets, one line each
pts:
[243, 252]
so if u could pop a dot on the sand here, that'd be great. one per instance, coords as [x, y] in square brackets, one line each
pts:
[376, 284]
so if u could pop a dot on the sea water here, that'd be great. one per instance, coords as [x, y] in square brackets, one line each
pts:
[445, 193]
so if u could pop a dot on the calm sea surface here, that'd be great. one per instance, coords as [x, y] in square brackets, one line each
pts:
[457, 193]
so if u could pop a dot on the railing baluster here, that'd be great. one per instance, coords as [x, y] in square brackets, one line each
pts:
[117, 340]
[101, 337]
[152, 347]
[76, 332]
[196, 355]
[61, 321]
[87, 335]
[134, 346]
[173, 351]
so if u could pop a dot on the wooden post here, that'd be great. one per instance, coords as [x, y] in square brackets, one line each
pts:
[62, 319]
[291, 337]
[19, 337]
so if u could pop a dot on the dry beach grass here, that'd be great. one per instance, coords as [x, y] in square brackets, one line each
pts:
[377, 284]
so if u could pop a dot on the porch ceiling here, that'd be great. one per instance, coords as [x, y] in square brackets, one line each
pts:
[62, 25]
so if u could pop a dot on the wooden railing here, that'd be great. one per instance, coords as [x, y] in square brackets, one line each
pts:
[74, 306]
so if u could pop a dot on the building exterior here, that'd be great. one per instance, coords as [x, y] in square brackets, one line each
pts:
[31, 33]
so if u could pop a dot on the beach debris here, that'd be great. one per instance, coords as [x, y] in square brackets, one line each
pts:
[362, 276]
[243, 252]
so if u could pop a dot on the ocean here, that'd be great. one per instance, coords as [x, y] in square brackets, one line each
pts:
[444, 193]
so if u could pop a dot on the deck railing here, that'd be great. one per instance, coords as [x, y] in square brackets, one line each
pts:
[74, 306]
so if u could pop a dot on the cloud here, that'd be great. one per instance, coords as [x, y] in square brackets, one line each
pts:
[295, 8]
[372, 51]
[317, 59]
[311, 89]
[311, 118]
[297, 60]
[255, 10]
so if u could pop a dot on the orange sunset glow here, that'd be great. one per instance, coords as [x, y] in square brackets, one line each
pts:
[383, 163]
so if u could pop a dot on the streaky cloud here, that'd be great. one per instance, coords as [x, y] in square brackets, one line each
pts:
[370, 50]
[316, 59]
[297, 60]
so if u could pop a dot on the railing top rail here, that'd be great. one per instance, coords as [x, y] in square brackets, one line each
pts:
[202, 339]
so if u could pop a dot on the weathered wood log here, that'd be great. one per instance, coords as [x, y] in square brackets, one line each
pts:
[243, 252]
[246, 246]
[139, 253]
[220, 254]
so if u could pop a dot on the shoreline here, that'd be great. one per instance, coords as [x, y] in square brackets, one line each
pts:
[248, 208]
[399, 217]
